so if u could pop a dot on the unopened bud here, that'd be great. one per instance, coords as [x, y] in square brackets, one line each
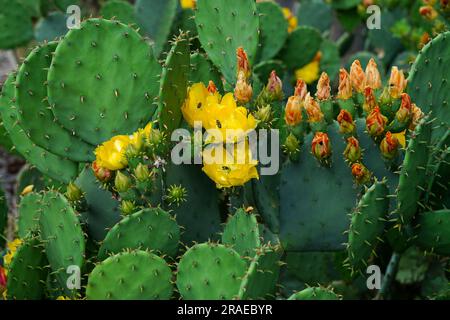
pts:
[357, 76]
[293, 111]
[404, 113]
[141, 172]
[243, 91]
[345, 86]
[353, 151]
[346, 124]
[323, 87]
[397, 83]
[102, 174]
[376, 122]
[360, 173]
[373, 77]
[122, 182]
[275, 87]
[127, 207]
[321, 147]
[28, 189]
[389, 146]
[301, 90]
[73, 193]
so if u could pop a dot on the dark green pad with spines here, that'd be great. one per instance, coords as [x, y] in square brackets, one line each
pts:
[262, 275]
[314, 293]
[119, 74]
[149, 229]
[210, 271]
[428, 83]
[27, 271]
[36, 118]
[202, 203]
[51, 27]
[29, 211]
[156, 18]
[367, 225]
[266, 193]
[202, 70]
[15, 24]
[433, 232]
[314, 217]
[30, 175]
[51, 165]
[316, 13]
[225, 25]
[119, 10]
[102, 209]
[274, 29]
[61, 234]
[305, 40]
[135, 275]
[413, 175]
[174, 82]
[3, 216]
[242, 234]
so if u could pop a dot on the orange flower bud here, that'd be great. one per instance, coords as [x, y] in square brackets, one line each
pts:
[360, 173]
[345, 85]
[404, 113]
[373, 77]
[212, 87]
[376, 122]
[353, 151]
[370, 102]
[102, 174]
[275, 86]
[357, 76]
[293, 111]
[389, 146]
[321, 147]
[243, 64]
[345, 120]
[397, 83]
[313, 109]
[417, 115]
[301, 90]
[428, 12]
[323, 87]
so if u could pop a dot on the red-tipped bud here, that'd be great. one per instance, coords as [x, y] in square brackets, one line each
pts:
[417, 115]
[345, 120]
[428, 12]
[313, 109]
[275, 86]
[102, 174]
[389, 146]
[373, 77]
[404, 114]
[293, 111]
[360, 173]
[323, 87]
[243, 64]
[301, 90]
[397, 83]
[357, 76]
[353, 151]
[376, 122]
[212, 89]
[243, 91]
[321, 147]
[370, 102]
[345, 86]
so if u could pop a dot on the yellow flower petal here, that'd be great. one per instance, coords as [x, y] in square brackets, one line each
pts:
[309, 73]
[111, 154]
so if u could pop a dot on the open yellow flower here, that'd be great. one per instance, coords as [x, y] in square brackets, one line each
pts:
[198, 98]
[188, 4]
[228, 169]
[310, 72]
[11, 248]
[291, 19]
[111, 154]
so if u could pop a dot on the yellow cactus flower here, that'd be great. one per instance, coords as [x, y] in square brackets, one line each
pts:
[291, 19]
[28, 189]
[401, 138]
[227, 169]
[188, 4]
[309, 73]
[111, 154]
[198, 97]
[11, 248]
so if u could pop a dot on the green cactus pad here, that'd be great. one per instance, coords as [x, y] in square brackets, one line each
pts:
[261, 277]
[264, 68]
[62, 235]
[64, 4]
[15, 23]
[316, 13]
[428, 83]
[304, 39]
[148, 229]
[26, 272]
[266, 192]
[202, 203]
[367, 225]
[3, 216]
[413, 176]
[225, 25]
[119, 10]
[48, 163]
[102, 209]
[135, 275]
[156, 18]
[315, 217]
[105, 84]
[29, 213]
[242, 234]
[433, 232]
[51, 27]
[202, 70]
[439, 184]
[274, 29]
[314, 293]
[30, 175]
[36, 118]
[210, 271]
[174, 82]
